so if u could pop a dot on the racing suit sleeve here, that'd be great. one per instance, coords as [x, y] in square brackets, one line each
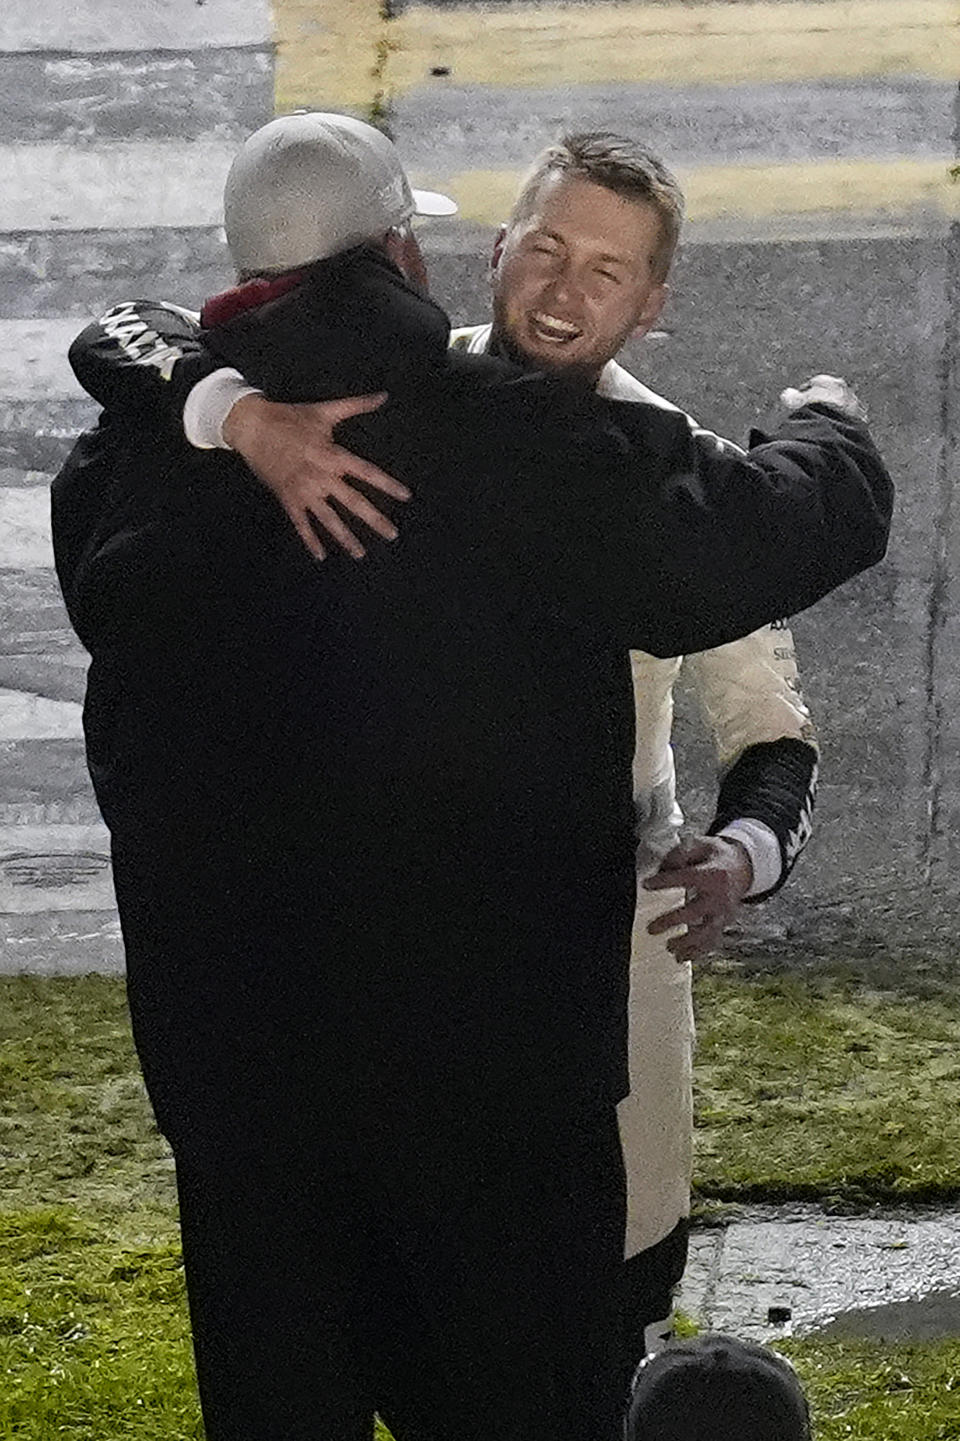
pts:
[730, 539]
[750, 697]
[142, 358]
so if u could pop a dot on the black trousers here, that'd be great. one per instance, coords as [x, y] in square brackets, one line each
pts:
[648, 1282]
[457, 1276]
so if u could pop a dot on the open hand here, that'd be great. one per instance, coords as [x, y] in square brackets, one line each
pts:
[292, 450]
[716, 874]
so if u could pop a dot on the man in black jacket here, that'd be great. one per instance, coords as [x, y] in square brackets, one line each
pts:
[377, 955]
[584, 259]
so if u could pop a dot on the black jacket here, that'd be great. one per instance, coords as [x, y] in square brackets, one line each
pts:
[372, 822]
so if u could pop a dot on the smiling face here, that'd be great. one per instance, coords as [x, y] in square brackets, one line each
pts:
[576, 275]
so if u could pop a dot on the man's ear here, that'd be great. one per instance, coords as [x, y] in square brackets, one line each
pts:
[497, 250]
[391, 244]
[403, 249]
[652, 310]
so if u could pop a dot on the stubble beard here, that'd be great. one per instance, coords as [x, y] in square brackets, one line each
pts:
[503, 345]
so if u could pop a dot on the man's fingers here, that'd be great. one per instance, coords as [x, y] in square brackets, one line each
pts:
[370, 474]
[364, 510]
[328, 520]
[691, 913]
[333, 411]
[666, 922]
[685, 853]
[828, 389]
[689, 877]
[697, 942]
[309, 536]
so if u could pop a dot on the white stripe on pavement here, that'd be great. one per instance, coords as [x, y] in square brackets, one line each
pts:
[133, 24]
[54, 840]
[25, 542]
[27, 717]
[33, 360]
[54, 868]
[114, 187]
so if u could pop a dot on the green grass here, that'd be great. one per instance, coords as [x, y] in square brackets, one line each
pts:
[75, 1125]
[839, 1084]
[826, 1088]
[868, 1391]
[93, 1331]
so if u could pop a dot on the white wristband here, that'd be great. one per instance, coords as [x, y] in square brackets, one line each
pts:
[208, 405]
[763, 848]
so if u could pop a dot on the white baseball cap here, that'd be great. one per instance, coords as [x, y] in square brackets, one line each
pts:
[311, 185]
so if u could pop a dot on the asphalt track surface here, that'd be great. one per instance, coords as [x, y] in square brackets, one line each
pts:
[117, 128]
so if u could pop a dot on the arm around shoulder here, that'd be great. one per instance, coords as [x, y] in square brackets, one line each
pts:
[142, 357]
[733, 540]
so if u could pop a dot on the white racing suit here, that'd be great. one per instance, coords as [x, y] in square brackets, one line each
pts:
[749, 695]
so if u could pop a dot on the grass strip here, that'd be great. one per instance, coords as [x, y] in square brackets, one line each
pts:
[824, 1088]
[817, 1087]
[837, 1084]
[875, 1391]
[94, 1343]
[94, 1339]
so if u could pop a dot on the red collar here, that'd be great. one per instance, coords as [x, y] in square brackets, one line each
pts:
[253, 293]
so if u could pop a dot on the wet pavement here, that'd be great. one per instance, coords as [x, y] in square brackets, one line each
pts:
[926, 1318]
[879, 1276]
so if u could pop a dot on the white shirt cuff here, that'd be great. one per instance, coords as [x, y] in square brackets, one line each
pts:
[208, 405]
[763, 848]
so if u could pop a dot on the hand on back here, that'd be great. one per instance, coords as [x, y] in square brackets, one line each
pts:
[292, 451]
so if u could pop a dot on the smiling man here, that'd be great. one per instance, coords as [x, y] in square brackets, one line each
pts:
[581, 267]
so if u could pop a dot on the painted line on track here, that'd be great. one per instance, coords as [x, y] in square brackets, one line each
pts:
[330, 54]
[25, 716]
[25, 527]
[345, 54]
[552, 45]
[874, 187]
[113, 187]
[33, 360]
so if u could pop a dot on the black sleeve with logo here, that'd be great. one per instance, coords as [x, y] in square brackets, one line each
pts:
[142, 357]
[774, 782]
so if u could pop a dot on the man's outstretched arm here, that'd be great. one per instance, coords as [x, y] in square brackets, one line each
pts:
[764, 534]
[733, 539]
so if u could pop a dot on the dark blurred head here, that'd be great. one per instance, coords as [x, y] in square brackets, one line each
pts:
[716, 1388]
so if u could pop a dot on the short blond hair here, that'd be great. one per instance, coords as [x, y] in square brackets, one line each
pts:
[618, 164]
